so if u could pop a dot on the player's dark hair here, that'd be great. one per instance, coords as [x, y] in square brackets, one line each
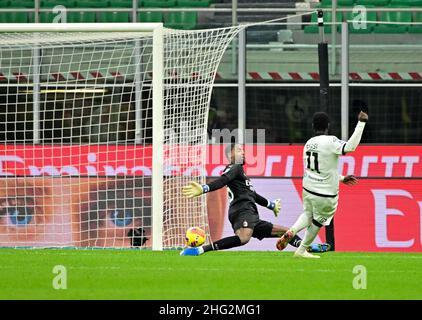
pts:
[320, 121]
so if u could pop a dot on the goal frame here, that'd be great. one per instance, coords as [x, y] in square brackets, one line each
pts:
[157, 30]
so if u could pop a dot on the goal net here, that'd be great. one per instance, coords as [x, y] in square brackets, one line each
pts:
[99, 131]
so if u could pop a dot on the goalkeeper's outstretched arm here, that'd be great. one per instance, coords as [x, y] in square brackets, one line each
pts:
[354, 140]
[261, 200]
[272, 205]
[194, 189]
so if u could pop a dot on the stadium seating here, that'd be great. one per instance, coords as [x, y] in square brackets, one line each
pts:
[406, 3]
[181, 20]
[90, 4]
[150, 16]
[340, 3]
[393, 16]
[22, 4]
[81, 17]
[46, 17]
[113, 17]
[159, 3]
[376, 3]
[53, 3]
[188, 20]
[71, 17]
[404, 18]
[193, 3]
[121, 3]
[13, 17]
[416, 28]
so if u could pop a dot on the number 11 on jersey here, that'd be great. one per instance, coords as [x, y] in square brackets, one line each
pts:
[310, 154]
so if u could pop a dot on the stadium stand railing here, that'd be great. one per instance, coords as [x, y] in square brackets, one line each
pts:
[191, 14]
[107, 11]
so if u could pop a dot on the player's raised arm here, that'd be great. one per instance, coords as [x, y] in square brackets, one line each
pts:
[354, 140]
[274, 205]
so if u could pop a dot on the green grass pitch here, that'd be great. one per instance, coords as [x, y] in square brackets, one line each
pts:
[132, 274]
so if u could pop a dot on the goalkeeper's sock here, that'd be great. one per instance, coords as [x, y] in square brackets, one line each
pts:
[301, 223]
[296, 241]
[222, 244]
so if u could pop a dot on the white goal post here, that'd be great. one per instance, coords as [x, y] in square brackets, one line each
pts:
[101, 126]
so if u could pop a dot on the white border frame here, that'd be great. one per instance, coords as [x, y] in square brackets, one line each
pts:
[157, 97]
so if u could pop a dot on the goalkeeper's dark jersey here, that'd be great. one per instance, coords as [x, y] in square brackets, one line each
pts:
[241, 192]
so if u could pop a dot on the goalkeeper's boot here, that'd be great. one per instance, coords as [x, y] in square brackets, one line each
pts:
[284, 240]
[191, 251]
[301, 252]
[319, 247]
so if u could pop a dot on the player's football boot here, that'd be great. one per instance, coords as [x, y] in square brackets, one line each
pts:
[190, 252]
[319, 247]
[284, 240]
[304, 254]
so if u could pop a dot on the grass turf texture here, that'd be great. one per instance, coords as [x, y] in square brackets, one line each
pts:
[131, 274]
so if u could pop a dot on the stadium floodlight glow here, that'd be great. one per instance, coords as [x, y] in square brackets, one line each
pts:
[90, 170]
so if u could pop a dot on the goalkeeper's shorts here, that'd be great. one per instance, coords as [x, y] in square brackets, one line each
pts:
[250, 219]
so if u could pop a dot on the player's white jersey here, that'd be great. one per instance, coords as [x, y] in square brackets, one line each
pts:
[320, 157]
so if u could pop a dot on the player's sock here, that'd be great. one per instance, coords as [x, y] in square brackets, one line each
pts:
[225, 243]
[296, 241]
[311, 234]
[301, 223]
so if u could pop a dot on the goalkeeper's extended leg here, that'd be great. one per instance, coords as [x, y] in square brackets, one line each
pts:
[242, 237]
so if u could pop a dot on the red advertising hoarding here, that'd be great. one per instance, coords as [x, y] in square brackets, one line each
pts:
[267, 161]
[379, 214]
[374, 215]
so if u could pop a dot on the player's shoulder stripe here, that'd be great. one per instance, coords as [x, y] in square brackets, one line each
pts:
[234, 166]
[227, 169]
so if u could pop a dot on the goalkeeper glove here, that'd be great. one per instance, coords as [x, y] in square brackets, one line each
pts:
[194, 189]
[275, 206]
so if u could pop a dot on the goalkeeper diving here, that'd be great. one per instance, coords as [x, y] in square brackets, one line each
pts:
[243, 212]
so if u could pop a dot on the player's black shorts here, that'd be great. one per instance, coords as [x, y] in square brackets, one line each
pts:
[250, 219]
